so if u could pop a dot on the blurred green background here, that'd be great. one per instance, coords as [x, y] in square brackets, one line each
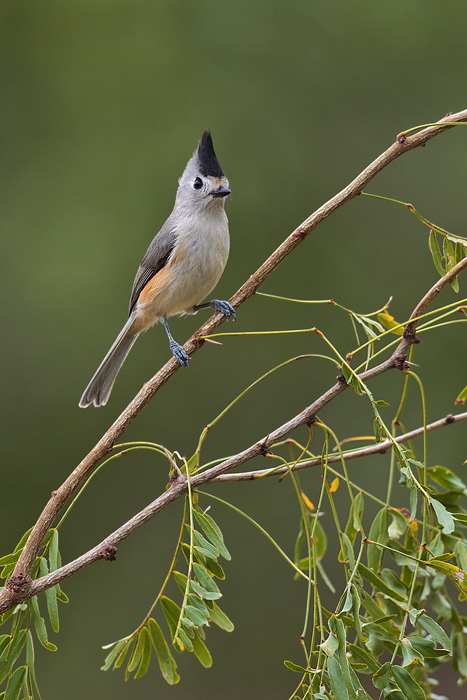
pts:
[102, 104]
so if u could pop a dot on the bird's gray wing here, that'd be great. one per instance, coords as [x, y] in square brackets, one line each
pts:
[156, 257]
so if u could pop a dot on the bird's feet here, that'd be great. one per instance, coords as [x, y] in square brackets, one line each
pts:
[224, 307]
[179, 353]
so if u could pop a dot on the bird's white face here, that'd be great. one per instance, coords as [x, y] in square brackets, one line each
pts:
[202, 191]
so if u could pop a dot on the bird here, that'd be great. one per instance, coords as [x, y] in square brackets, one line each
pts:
[182, 265]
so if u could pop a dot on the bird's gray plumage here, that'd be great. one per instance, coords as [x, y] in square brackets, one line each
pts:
[184, 261]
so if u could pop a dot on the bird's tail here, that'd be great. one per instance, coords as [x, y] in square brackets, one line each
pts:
[100, 386]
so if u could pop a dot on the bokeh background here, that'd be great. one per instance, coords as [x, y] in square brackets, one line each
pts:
[102, 104]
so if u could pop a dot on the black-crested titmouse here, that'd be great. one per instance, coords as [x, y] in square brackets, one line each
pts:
[182, 265]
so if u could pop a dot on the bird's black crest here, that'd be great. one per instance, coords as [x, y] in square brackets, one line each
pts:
[208, 163]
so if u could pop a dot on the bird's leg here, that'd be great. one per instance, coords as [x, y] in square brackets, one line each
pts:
[177, 351]
[223, 306]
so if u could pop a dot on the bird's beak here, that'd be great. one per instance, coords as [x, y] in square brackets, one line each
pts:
[221, 192]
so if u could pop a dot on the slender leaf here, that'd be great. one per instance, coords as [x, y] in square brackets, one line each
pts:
[166, 661]
[9, 559]
[433, 628]
[203, 593]
[221, 620]
[172, 613]
[202, 652]
[330, 645]
[381, 677]
[362, 656]
[445, 518]
[137, 652]
[146, 653]
[205, 580]
[110, 658]
[378, 583]
[436, 252]
[212, 532]
[411, 689]
[51, 598]
[15, 682]
[196, 616]
[336, 678]
[294, 667]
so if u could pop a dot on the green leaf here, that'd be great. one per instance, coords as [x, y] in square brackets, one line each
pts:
[336, 678]
[220, 619]
[409, 655]
[363, 657]
[427, 647]
[215, 568]
[398, 524]
[185, 639]
[413, 504]
[15, 682]
[377, 429]
[166, 661]
[381, 677]
[460, 654]
[121, 657]
[432, 627]
[378, 533]
[436, 252]
[202, 652]
[12, 652]
[212, 532]
[445, 518]
[355, 515]
[137, 653]
[450, 260]
[342, 655]
[51, 598]
[411, 689]
[172, 613]
[390, 577]
[294, 667]
[446, 478]
[23, 540]
[9, 559]
[330, 645]
[320, 540]
[378, 583]
[203, 593]
[348, 550]
[53, 551]
[462, 397]
[461, 553]
[146, 653]
[198, 603]
[39, 623]
[110, 658]
[196, 615]
[206, 549]
[181, 580]
[205, 580]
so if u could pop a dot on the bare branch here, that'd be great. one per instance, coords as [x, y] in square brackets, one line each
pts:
[20, 585]
[377, 448]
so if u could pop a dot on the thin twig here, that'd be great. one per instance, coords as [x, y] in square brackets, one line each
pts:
[20, 585]
[377, 448]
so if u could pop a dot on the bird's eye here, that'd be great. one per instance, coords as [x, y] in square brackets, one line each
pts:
[198, 183]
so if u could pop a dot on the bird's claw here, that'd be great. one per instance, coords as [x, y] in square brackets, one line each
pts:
[179, 353]
[224, 308]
